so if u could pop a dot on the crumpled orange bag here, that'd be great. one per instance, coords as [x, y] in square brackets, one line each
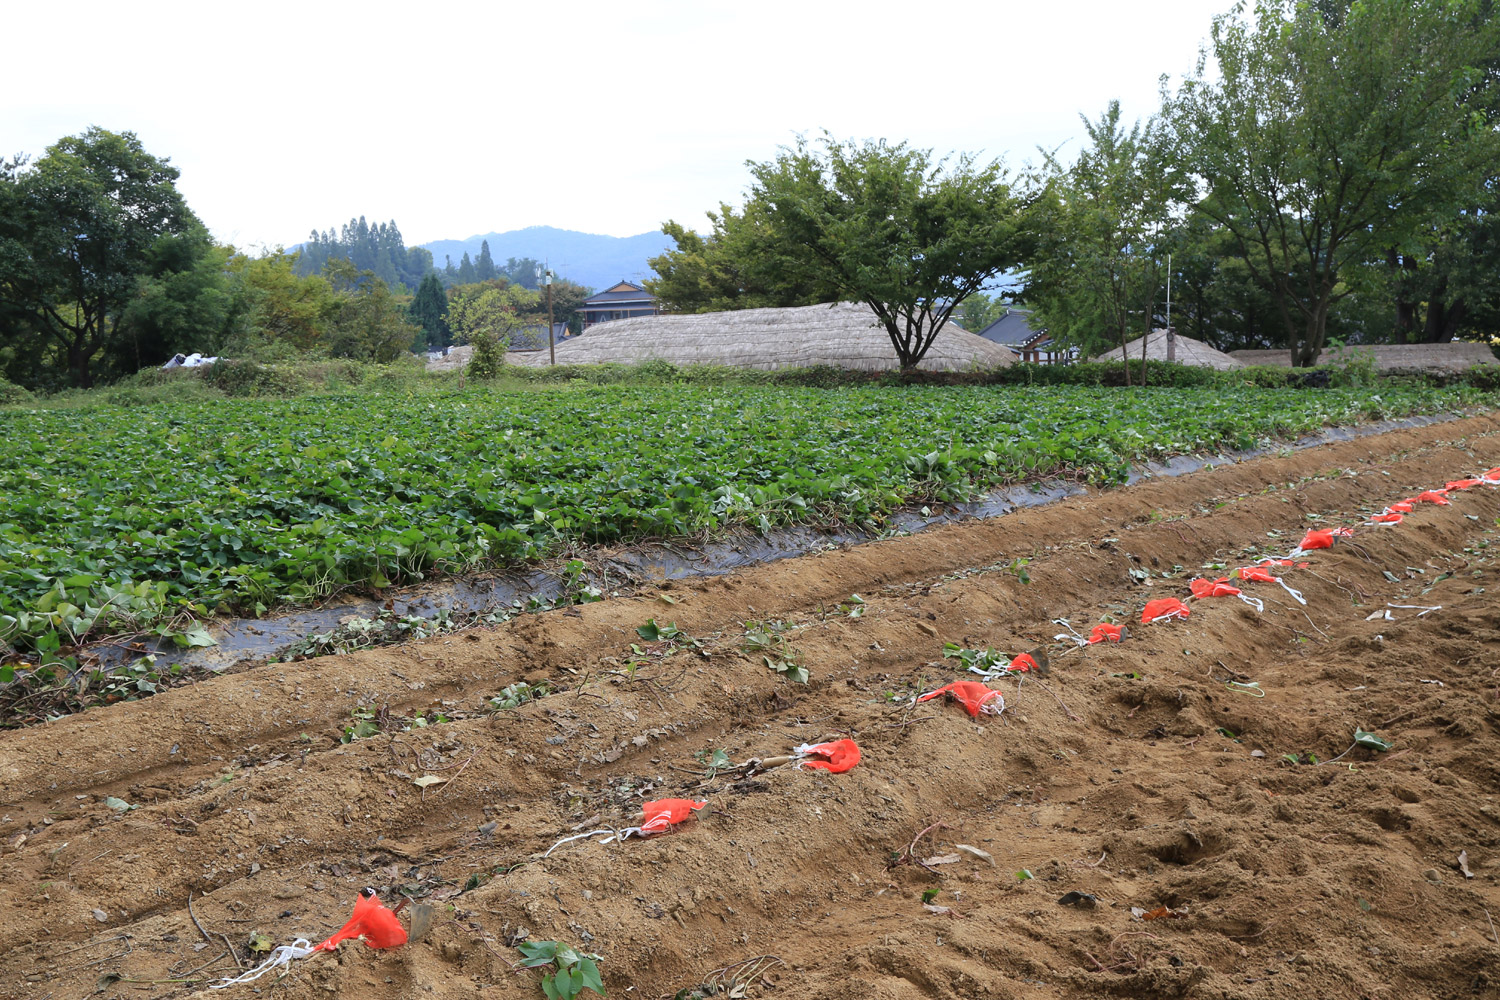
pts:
[663, 814]
[1322, 539]
[1025, 662]
[841, 755]
[973, 695]
[1105, 632]
[1390, 517]
[1462, 484]
[1163, 609]
[1221, 587]
[1439, 497]
[371, 921]
[1404, 507]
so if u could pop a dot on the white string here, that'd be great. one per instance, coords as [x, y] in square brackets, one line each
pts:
[1254, 602]
[284, 955]
[1296, 594]
[579, 836]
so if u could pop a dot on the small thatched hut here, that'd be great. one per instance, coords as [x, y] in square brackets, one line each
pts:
[1186, 351]
[1443, 358]
[843, 335]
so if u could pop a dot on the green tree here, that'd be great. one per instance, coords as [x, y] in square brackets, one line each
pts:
[285, 310]
[494, 308]
[890, 226]
[1331, 133]
[80, 230]
[1098, 269]
[466, 273]
[429, 310]
[188, 301]
[742, 264]
[370, 324]
[484, 267]
[979, 311]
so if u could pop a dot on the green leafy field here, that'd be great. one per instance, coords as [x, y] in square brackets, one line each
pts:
[112, 515]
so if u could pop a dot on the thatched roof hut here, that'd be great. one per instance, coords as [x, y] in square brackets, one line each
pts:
[1451, 357]
[843, 335]
[1187, 351]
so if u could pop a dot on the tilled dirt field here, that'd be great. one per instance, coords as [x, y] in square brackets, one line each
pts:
[1134, 773]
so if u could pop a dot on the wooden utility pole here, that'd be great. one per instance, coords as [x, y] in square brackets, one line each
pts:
[551, 339]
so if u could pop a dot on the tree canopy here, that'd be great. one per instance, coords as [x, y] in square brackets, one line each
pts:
[379, 249]
[80, 229]
[1330, 136]
[910, 235]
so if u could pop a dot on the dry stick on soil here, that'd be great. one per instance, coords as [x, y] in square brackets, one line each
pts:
[1055, 698]
[1493, 936]
[909, 855]
[233, 954]
[450, 781]
[184, 975]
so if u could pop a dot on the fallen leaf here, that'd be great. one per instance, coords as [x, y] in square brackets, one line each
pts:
[261, 943]
[1463, 864]
[118, 805]
[427, 781]
[942, 911]
[1083, 900]
[421, 920]
[944, 859]
[980, 854]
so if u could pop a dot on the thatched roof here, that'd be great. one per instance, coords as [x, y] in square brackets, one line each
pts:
[1187, 351]
[844, 335]
[1450, 357]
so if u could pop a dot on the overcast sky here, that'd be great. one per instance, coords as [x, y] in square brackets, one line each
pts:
[464, 118]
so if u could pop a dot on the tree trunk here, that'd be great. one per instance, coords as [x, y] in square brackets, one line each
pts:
[1443, 320]
[78, 366]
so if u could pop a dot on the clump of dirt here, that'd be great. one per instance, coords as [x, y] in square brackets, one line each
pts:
[1185, 813]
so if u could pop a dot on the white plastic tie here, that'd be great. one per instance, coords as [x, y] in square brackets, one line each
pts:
[1296, 594]
[1254, 602]
[284, 955]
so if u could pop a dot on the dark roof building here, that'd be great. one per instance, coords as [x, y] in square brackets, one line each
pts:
[1014, 330]
[621, 301]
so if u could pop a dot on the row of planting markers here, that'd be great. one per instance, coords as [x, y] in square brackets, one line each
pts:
[380, 928]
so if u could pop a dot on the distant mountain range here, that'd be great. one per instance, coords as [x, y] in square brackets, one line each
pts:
[587, 258]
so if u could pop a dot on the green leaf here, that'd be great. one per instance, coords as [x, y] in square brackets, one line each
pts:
[1024, 874]
[928, 895]
[119, 805]
[1370, 740]
[650, 631]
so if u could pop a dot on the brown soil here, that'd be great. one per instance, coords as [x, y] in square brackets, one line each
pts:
[1336, 879]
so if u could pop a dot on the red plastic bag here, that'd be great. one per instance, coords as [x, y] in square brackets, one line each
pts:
[1439, 497]
[1105, 632]
[1221, 587]
[1025, 662]
[1387, 518]
[371, 921]
[841, 755]
[1404, 507]
[1462, 484]
[1162, 609]
[974, 696]
[663, 814]
[1322, 539]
